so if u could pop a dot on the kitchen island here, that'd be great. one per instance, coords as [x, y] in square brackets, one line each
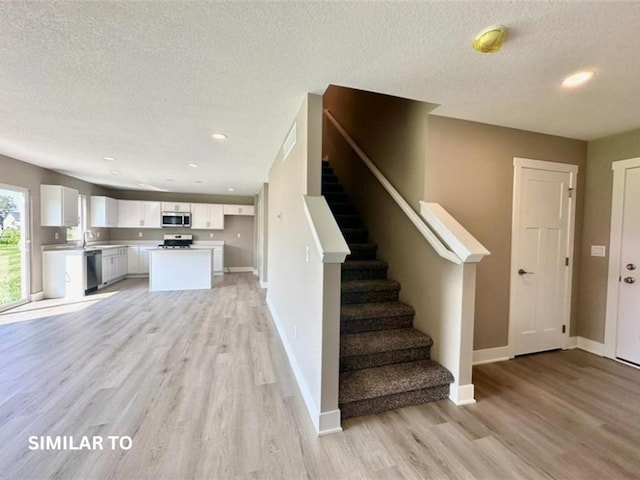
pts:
[180, 269]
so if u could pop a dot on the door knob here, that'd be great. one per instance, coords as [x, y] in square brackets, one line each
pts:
[629, 280]
[631, 266]
[524, 272]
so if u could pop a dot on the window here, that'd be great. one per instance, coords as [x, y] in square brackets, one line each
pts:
[74, 234]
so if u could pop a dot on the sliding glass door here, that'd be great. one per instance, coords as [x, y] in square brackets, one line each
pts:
[14, 252]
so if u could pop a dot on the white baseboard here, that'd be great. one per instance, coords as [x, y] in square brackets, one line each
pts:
[571, 343]
[264, 284]
[461, 394]
[240, 269]
[255, 272]
[329, 423]
[323, 425]
[491, 355]
[36, 297]
[591, 346]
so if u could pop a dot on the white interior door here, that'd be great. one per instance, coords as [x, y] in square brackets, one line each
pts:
[542, 239]
[628, 338]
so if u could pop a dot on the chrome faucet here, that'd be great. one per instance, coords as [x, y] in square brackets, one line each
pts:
[84, 237]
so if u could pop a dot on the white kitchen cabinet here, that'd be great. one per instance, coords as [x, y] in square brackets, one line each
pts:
[207, 216]
[104, 212]
[139, 214]
[58, 206]
[63, 273]
[114, 261]
[218, 260]
[239, 210]
[176, 207]
[138, 260]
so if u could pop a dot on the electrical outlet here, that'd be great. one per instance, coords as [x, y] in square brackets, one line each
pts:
[307, 254]
[139, 234]
[56, 235]
[98, 234]
[238, 235]
[211, 235]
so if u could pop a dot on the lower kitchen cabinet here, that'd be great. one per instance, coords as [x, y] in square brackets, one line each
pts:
[63, 273]
[114, 264]
[138, 260]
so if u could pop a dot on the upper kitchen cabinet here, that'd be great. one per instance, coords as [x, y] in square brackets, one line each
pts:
[104, 212]
[176, 207]
[139, 214]
[238, 210]
[58, 206]
[207, 216]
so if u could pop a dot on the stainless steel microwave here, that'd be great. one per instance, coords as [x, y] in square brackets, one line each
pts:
[176, 219]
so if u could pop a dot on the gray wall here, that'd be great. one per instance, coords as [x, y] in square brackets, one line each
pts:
[597, 227]
[25, 175]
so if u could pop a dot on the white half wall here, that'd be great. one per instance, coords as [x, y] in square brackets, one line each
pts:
[295, 270]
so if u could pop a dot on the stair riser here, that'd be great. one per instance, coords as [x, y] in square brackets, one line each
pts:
[368, 254]
[355, 236]
[348, 221]
[342, 208]
[390, 402]
[331, 187]
[373, 324]
[384, 358]
[336, 197]
[364, 274]
[377, 296]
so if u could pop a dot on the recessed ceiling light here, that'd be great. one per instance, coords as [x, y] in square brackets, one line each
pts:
[198, 181]
[231, 189]
[193, 165]
[219, 136]
[170, 180]
[578, 79]
[109, 159]
[142, 185]
[115, 172]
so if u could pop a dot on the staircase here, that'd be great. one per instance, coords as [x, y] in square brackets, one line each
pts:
[384, 362]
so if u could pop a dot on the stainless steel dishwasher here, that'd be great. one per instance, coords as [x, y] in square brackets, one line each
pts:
[93, 260]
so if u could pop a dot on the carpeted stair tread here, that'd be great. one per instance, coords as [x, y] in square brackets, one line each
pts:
[352, 286]
[361, 311]
[392, 379]
[368, 343]
[364, 264]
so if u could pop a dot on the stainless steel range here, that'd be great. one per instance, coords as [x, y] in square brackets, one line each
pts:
[177, 241]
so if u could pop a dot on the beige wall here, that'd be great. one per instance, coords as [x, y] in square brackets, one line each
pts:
[25, 175]
[238, 252]
[469, 171]
[597, 221]
[392, 132]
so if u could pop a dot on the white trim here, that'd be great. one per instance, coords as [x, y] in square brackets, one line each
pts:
[454, 235]
[255, 271]
[264, 284]
[491, 355]
[571, 343]
[417, 221]
[329, 423]
[327, 236]
[519, 164]
[615, 245]
[239, 269]
[322, 424]
[36, 297]
[462, 394]
[591, 346]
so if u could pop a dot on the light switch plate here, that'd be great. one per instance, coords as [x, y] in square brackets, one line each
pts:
[598, 251]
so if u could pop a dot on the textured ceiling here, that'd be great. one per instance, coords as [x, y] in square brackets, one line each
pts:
[148, 82]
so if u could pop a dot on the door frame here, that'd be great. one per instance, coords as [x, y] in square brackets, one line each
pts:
[619, 168]
[518, 165]
[25, 232]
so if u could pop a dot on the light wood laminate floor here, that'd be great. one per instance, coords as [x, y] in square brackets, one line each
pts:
[200, 382]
